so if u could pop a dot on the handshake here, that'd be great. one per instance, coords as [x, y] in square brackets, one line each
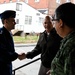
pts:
[21, 56]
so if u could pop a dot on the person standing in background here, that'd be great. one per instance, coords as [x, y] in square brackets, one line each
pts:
[7, 51]
[47, 45]
[64, 23]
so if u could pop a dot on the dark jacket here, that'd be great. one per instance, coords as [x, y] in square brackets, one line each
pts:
[47, 48]
[7, 52]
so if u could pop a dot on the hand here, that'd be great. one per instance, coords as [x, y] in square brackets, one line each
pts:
[21, 56]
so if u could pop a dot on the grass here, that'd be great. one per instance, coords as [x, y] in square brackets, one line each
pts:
[27, 39]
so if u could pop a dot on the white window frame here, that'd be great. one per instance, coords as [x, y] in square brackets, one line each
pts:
[17, 21]
[68, 0]
[28, 20]
[10, 0]
[37, 0]
[18, 6]
[18, 0]
[26, 1]
[58, 1]
[41, 20]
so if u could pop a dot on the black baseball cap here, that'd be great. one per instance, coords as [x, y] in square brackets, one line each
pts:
[8, 14]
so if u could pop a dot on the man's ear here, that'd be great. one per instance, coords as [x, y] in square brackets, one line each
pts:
[61, 23]
[5, 21]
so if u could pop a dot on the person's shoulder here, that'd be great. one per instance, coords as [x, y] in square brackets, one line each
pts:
[53, 31]
[42, 34]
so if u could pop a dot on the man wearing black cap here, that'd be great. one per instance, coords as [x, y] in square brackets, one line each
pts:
[7, 51]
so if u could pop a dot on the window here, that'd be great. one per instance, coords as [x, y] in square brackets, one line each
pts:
[38, 14]
[26, 1]
[18, 6]
[28, 20]
[58, 1]
[18, 0]
[68, 0]
[41, 19]
[17, 21]
[37, 0]
[10, 0]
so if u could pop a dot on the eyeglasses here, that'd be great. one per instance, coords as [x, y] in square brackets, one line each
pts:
[47, 22]
[55, 19]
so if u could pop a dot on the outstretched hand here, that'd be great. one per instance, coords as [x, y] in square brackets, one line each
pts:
[21, 56]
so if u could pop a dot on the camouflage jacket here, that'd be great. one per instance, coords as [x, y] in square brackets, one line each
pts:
[64, 61]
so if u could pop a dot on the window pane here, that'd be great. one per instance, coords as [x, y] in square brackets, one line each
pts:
[37, 0]
[18, 7]
[28, 20]
[41, 19]
[17, 21]
[58, 1]
[26, 1]
[68, 0]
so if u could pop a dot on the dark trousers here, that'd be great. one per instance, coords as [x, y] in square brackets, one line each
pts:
[43, 70]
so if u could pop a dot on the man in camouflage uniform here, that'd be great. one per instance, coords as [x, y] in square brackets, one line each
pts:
[64, 20]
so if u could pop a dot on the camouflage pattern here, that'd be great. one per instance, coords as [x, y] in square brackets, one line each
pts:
[64, 61]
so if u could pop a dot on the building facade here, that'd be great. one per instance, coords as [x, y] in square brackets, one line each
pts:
[44, 6]
[28, 19]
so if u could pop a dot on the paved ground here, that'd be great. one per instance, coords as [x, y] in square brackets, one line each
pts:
[31, 69]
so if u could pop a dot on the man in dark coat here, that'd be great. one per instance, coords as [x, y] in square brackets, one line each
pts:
[7, 51]
[47, 45]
